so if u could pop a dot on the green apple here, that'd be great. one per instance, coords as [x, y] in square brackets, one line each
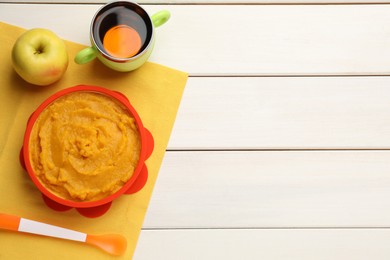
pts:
[40, 57]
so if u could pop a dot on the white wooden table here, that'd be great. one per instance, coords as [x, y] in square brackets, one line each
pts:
[281, 145]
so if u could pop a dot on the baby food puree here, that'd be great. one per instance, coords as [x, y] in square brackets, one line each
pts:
[84, 146]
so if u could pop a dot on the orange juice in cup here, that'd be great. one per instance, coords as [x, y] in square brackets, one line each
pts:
[122, 35]
[122, 41]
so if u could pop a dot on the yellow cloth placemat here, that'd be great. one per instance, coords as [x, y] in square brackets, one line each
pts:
[154, 90]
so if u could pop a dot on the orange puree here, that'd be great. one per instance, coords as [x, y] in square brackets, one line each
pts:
[84, 146]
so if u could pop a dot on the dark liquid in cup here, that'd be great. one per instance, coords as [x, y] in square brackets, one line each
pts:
[122, 31]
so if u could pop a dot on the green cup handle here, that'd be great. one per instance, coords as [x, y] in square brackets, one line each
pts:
[85, 56]
[160, 18]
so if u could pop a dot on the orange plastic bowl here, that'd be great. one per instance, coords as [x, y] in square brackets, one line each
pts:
[98, 207]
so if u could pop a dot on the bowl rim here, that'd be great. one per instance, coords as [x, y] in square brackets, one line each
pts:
[116, 95]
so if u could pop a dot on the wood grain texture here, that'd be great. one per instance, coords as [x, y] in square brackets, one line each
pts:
[277, 244]
[267, 40]
[219, 2]
[272, 189]
[284, 113]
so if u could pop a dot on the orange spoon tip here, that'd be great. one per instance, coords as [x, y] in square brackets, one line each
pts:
[111, 243]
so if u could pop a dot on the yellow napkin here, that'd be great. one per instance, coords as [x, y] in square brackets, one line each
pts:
[154, 90]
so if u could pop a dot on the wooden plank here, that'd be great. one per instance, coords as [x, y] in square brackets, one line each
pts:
[272, 189]
[209, 1]
[267, 40]
[280, 244]
[284, 113]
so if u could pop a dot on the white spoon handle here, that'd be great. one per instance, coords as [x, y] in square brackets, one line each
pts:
[38, 228]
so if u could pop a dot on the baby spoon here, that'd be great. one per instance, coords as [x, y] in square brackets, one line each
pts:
[113, 244]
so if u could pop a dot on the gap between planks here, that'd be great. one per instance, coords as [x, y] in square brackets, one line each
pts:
[276, 150]
[196, 3]
[263, 228]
